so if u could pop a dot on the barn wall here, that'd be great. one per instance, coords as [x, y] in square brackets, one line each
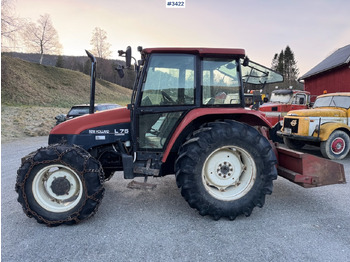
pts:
[337, 80]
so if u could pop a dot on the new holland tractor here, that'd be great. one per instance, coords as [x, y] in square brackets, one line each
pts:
[186, 117]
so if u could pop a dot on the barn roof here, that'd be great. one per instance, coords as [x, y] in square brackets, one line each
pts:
[338, 58]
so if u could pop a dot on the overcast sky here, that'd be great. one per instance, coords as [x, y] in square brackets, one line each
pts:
[312, 28]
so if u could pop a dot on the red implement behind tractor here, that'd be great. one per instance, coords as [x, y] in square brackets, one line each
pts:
[186, 117]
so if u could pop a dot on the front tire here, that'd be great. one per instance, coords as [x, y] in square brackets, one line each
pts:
[225, 169]
[337, 145]
[60, 184]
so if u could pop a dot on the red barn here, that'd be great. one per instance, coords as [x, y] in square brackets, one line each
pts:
[331, 75]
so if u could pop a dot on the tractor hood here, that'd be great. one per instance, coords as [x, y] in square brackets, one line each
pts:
[98, 119]
[319, 112]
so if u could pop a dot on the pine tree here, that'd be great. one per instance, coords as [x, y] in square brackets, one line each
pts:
[291, 70]
[274, 63]
[60, 61]
[285, 64]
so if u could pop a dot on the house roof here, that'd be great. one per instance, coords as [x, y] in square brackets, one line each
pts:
[338, 58]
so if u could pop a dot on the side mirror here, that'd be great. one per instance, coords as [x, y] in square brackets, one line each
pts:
[128, 57]
[246, 61]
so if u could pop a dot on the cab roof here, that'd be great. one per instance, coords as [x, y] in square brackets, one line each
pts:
[336, 94]
[202, 51]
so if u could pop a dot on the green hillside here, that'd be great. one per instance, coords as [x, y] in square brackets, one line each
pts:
[30, 84]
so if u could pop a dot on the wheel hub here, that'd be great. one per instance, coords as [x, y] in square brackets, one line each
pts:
[228, 173]
[57, 188]
[225, 170]
[60, 186]
[338, 145]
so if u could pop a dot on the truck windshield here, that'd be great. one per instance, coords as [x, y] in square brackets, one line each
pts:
[281, 98]
[333, 101]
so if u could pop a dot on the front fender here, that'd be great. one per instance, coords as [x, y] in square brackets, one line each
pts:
[328, 128]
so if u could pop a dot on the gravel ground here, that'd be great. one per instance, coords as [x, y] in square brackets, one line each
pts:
[296, 224]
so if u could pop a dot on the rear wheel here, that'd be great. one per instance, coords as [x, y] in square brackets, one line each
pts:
[337, 146]
[225, 169]
[60, 184]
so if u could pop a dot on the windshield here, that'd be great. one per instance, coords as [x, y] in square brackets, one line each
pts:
[333, 101]
[78, 111]
[280, 98]
[257, 74]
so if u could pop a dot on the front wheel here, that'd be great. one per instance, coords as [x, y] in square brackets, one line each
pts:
[60, 184]
[225, 169]
[337, 145]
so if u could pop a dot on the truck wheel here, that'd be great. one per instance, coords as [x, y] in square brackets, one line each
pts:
[337, 146]
[60, 184]
[225, 169]
[293, 144]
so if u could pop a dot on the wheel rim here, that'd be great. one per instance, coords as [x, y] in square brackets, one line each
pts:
[229, 173]
[338, 145]
[57, 188]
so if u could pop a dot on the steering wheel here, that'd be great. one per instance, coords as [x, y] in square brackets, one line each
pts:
[167, 98]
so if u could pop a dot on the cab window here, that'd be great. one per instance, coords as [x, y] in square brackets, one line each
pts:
[169, 81]
[220, 82]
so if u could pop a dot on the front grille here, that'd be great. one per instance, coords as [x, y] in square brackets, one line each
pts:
[291, 123]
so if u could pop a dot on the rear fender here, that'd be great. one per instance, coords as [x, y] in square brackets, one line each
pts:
[203, 115]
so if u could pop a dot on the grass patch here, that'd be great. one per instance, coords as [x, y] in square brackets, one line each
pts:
[25, 83]
[32, 95]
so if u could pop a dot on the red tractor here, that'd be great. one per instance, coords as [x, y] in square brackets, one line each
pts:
[186, 117]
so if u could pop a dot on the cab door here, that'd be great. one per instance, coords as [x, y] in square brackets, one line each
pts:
[167, 91]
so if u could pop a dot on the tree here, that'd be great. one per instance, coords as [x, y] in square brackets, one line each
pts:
[42, 37]
[10, 25]
[101, 49]
[100, 45]
[274, 63]
[60, 61]
[285, 64]
[291, 70]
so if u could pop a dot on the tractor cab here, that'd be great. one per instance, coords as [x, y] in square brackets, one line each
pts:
[173, 81]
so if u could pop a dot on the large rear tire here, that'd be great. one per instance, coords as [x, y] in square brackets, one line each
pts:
[60, 184]
[225, 169]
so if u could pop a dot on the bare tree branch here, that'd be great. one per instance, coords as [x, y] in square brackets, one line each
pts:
[101, 48]
[10, 26]
[42, 37]
[99, 42]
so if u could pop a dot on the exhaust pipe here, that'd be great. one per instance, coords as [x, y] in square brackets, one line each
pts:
[93, 81]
